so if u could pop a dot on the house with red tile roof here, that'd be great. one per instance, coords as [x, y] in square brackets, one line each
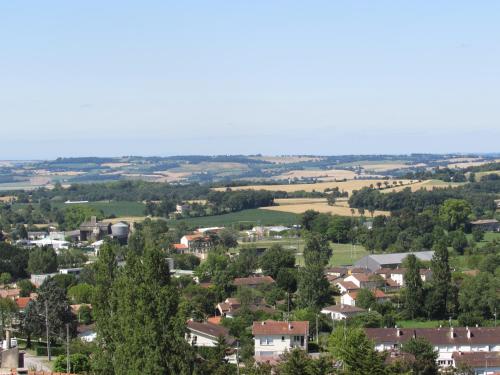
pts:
[273, 338]
[446, 341]
[350, 298]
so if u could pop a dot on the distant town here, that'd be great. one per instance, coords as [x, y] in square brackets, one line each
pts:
[291, 265]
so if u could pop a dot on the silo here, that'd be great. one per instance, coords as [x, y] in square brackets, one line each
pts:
[120, 231]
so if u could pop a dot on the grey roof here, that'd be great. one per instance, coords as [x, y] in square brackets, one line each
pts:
[375, 261]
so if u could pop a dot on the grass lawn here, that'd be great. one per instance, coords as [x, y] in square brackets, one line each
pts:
[426, 323]
[252, 217]
[346, 254]
[488, 237]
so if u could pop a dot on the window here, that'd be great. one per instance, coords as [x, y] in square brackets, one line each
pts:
[266, 341]
[282, 338]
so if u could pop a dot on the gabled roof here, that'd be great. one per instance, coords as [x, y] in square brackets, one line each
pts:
[348, 285]
[180, 246]
[477, 359]
[212, 330]
[273, 327]
[344, 309]
[22, 302]
[363, 277]
[376, 292]
[253, 280]
[437, 336]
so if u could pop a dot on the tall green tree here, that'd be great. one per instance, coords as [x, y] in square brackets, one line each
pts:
[141, 327]
[437, 301]
[276, 258]
[454, 213]
[413, 292]
[356, 352]
[42, 260]
[425, 356]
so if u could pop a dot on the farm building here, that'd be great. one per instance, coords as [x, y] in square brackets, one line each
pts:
[376, 261]
[487, 225]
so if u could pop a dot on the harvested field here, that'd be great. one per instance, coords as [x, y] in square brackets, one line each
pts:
[482, 174]
[384, 167]
[301, 205]
[324, 175]
[348, 186]
[8, 199]
[115, 165]
[427, 184]
[286, 159]
[127, 219]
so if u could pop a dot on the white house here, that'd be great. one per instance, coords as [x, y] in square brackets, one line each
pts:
[446, 341]
[363, 280]
[482, 363]
[207, 334]
[341, 312]
[346, 286]
[273, 338]
[350, 298]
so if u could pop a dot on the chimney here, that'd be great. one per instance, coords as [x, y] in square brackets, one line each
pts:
[7, 338]
[469, 333]
[93, 220]
[452, 333]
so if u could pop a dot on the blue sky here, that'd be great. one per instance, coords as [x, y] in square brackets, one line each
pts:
[122, 77]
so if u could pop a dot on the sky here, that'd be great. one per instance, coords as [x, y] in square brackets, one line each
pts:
[113, 78]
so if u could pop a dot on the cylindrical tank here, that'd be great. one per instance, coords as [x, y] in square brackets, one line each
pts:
[119, 230]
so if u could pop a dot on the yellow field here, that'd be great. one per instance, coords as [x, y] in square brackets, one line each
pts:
[348, 186]
[384, 167]
[301, 205]
[470, 163]
[127, 219]
[116, 165]
[286, 159]
[8, 199]
[482, 174]
[331, 174]
[427, 184]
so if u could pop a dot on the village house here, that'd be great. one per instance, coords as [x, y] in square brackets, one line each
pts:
[350, 298]
[346, 286]
[336, 271]
[231, 307]
[197, 244]
[363, 280]
[446, 341]
[482, 363]
[398, 274]
[341, 312]
[273, 338]
[208, 335]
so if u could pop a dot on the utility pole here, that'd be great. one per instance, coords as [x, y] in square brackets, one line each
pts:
[47, 329]
[317, 330]
[68, 365]
[238, 357]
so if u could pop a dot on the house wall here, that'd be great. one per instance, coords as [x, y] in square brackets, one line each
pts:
[347, 300]
[272, 345]
[201, 339]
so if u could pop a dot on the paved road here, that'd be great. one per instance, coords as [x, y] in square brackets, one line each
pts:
[34, 362]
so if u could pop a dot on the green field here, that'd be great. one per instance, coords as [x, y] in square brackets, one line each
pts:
[488, 237]
[252, 217]
[342, 254]
[109, 208]
[346, 254]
